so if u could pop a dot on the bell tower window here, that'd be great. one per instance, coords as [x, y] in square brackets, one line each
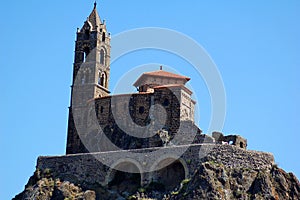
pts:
[86, 52]
[102, 56]
[102, 79]
[103, 37]
[86, 34]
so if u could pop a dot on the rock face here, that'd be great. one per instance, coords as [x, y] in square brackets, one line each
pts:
[44, 186]
[211, 180]
[214, 181]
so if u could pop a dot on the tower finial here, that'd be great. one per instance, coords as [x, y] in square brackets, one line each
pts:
[95, 4]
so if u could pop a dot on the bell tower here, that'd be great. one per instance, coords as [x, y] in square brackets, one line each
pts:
[92, 51]
[91, 71]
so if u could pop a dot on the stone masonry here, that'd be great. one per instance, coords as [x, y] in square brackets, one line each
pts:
[87, 169]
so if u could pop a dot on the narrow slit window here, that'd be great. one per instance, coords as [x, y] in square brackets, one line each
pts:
[102, 56]
[86, 52]
[103, 37]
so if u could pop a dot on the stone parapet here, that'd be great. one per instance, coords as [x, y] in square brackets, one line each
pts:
[88, 169]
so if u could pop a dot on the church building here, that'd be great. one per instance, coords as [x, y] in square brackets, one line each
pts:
[90, 88]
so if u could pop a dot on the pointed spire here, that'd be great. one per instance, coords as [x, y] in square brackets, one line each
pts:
[94, 17]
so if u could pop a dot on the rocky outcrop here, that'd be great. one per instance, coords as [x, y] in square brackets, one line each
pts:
[44, 186]
[215, 181]
[212, 180]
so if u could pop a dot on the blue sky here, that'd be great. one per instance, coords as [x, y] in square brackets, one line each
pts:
[255, 45]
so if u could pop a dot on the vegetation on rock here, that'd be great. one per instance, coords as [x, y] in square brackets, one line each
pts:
[210, 181]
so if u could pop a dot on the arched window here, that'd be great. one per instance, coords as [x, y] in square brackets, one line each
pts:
[103, 37]
[86, 34]
[141, 109]
[166, 102]
[102, 56]
[86, 52]
[102, 80]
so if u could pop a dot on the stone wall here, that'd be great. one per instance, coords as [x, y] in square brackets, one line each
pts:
[87, 169]
[129, 121]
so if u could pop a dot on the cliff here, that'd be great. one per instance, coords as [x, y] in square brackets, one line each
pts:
[226, 173]
[214, 181]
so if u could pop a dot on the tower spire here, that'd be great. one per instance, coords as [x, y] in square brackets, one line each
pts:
[94, 18]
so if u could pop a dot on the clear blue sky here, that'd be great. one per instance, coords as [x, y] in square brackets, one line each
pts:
[255, 45]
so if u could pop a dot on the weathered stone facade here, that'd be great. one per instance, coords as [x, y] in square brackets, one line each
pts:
[141, 114]
[138, 114]
[87, 169]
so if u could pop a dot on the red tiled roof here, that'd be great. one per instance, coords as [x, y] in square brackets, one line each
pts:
[163, 73]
